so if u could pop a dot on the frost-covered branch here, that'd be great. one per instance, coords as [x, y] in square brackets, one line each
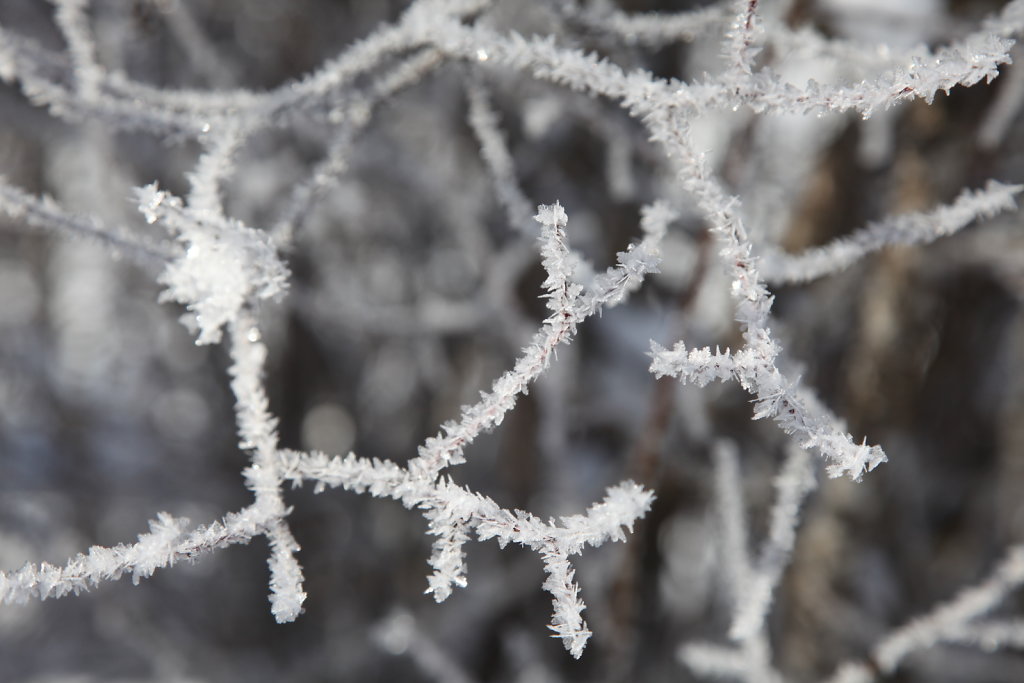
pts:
[750, 584]
[453, 512]
[946, 622]
[792, 485]
[166, 544]
[74, 24]
[223, 267]
[655, 29]
[45, 214]
[328, 126]
[126, 104]
[494, 151]
[794, 408]
[718, 662]
[913, 228]
[569, 305]
[732, 519]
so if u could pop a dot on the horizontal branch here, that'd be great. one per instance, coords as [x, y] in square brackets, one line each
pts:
[166, 544]
[912, 228]
[453, 511]
[45, 214]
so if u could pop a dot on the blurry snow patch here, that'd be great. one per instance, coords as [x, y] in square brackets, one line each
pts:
[181, 414]
[900, 23]
[540, 114]
[678, 260]
[328, 427]
[19, 295]
[687, 548]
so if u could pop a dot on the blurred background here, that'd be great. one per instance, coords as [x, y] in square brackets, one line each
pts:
[413, 288]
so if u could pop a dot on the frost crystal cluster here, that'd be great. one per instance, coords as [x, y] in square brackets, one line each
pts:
[736, 284]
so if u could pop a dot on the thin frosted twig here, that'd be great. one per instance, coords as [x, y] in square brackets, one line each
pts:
[358, 112]
[656, 29]
[972, 602]
[542, 58]
[496, 155]
[732, 515]
[741, 40]
[446, 448]
[1006, 106]
[129, 105]
[569, 305]
[796, 409]
[633, 264]
[73, 22]
[453, 511]
[912, 228]
[792, 485]
[947, 622]
[45, 214]
[166, 544]
[257, 432]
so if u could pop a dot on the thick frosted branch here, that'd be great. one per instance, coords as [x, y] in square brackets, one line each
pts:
[913, 228]
[214, 169]
[224, 266]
